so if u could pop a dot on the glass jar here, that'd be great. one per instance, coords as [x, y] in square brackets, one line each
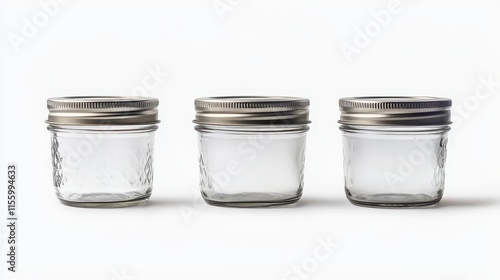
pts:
[252, 149]
[102, 149]
[394, 150]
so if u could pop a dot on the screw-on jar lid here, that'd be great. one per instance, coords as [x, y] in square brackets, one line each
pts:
[395, 110]
[97, 110]
[252, 110]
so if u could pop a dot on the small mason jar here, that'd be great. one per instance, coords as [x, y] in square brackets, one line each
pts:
[252, 149]
[394, 150]
[102, 149]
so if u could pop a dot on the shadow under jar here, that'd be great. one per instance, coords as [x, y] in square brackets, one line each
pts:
[102, 149]
[394, 150]
[252, 149]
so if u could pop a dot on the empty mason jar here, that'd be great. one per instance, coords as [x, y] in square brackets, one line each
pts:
[102, 149]
[394, 149]
[252, 149]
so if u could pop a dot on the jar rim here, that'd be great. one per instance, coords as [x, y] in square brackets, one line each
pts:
[251, 110]
[102, 110]
[395, 110]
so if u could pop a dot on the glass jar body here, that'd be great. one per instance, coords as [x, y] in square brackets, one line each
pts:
[394, 166]
[254, 166]
[103, 166]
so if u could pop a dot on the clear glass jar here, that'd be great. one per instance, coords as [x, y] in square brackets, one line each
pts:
[252, 149]
[102, 149]
[394, 150]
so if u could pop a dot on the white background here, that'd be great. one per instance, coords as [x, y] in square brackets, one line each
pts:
[106, 47]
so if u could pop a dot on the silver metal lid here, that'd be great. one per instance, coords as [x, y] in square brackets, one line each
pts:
[97, 110]
[252, 110]
[395, 110]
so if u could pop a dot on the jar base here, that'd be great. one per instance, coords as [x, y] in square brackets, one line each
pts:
[106, 204]
[251, 200]
[392, 200]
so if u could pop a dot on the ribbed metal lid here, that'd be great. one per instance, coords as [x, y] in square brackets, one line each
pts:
[252, 110]
[395, 110]
[96, 110]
